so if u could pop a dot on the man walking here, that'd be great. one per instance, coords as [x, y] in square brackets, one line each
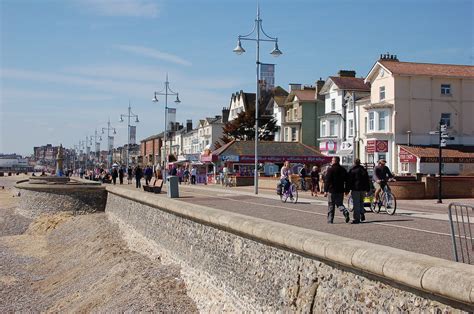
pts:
[138, 176]
[335, 185]
[359, 184]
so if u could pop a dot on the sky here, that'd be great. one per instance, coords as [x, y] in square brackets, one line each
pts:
[67, 66]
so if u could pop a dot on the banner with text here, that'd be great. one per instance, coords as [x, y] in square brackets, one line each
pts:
[133, 134]
[111, 143]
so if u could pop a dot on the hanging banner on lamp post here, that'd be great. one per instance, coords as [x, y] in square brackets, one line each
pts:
[133, 134]
[111, 143]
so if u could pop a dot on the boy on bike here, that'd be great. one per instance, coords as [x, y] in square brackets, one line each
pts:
[381, 176]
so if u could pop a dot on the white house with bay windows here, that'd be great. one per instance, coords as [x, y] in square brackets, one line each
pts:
[407, 101]
[338, 126]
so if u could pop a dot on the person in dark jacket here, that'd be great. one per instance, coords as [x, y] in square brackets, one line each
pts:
[138, 176]
[335, 185]
[359, 184]
[121, 173]
[114, 175]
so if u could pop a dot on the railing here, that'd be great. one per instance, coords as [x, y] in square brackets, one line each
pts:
[460, 218]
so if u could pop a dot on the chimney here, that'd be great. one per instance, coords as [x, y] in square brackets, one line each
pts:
[319, 85]
[294, 86]
[225, 115]
[388, 57]
[189, 125]
[346, 73]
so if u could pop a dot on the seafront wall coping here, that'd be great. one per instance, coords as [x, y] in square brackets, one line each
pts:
[432, 276]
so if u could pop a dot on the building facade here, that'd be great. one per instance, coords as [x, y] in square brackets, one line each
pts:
[338, 124]
[408, 100]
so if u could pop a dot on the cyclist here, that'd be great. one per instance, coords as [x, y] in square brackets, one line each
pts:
[285, 176]
[381, 176]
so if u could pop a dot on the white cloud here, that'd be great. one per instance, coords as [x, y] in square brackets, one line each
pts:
[152, 53]
[133, 8]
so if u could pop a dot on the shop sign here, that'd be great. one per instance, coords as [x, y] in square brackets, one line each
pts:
[282, 159]
[376, 146]
[452, 160]
[406, 156]
[329, 146]
[231, 158]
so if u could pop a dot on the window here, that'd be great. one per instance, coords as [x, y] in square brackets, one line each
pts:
[333, 104]
[405, 167]
[371, 121]
[382, 93]
[350, 105]
[287, 137]
[445, 89]
[446, 119]
[382, 156]
[295, 113]
[332, 128]
[323, 129]
[351, 127]
[293, 135]
[382, 115]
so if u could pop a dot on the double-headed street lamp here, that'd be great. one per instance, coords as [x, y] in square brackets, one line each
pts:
[109, 128]
[165, 92]
[129, 115]
[257, 28]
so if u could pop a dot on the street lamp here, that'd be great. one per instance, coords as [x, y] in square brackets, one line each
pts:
[129, 115]
[275, 52]
[165, 92]
[108, 128]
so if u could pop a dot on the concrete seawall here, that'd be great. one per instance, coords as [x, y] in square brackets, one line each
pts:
[251, 264]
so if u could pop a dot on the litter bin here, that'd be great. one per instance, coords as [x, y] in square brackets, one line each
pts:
[173, 183]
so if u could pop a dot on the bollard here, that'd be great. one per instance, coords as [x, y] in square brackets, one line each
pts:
[173, 186]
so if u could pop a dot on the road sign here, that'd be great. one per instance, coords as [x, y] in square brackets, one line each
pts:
[443, 127]
[443, 143]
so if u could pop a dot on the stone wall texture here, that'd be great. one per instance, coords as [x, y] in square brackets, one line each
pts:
[262, 266]
[38, 200]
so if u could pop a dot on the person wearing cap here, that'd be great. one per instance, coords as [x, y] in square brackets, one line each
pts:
[381, 176]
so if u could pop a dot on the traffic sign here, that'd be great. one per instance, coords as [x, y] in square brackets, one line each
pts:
[443, 127]
[443, 143]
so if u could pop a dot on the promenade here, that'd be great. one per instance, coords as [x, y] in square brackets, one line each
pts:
[419, 226]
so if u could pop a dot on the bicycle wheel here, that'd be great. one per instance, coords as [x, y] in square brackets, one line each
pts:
[294, 194]
[390, 203]
[283, 196]
[374, 207]
[350, 204]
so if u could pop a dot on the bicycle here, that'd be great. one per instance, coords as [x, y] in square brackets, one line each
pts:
[387, 200]
[291, 193]
[368, 200]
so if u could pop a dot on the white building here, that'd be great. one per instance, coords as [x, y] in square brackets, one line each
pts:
[338, 126]
[240, 102]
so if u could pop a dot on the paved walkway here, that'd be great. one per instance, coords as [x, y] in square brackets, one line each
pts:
[421, 226]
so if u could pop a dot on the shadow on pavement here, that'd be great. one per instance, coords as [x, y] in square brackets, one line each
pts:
[395, 220]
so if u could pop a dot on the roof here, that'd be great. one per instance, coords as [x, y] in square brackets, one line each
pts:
[153, 137]
[350, 83]
[428, 69]
[305, 95]
[248, 99]
[454, 152]
[267, 148]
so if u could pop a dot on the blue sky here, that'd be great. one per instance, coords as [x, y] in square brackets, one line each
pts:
[67, 66]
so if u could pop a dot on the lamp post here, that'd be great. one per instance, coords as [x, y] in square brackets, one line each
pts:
[108, 128]
[275, 52]
[129, 115]
[165, 92]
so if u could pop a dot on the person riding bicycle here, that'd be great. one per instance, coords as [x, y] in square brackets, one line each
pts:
[381, 176]
[285, 176]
